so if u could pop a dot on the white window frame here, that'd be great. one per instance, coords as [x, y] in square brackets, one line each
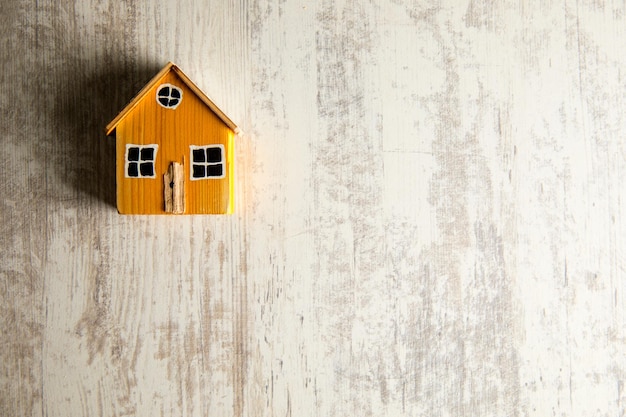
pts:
[206, 164]
[172, 87]
[139, 161]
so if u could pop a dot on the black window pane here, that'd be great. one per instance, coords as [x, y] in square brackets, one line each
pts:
[198, 171]
[175, 93]
[133, 154]
[165, 91]
[164, 101]
[214, 170]
[214, 154]
[198, 155]
[132, 170]
[147, 154]
[173, 102]
[146, 169]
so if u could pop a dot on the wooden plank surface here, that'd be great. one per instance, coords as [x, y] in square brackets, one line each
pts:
[429, 212]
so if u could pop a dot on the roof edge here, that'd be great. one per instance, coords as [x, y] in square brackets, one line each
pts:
[206, 100]
[190, 84]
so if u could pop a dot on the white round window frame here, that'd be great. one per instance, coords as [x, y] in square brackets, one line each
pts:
[171, 87]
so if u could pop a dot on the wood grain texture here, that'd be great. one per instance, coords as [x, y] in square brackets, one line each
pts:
[173, 136]
[429, 212]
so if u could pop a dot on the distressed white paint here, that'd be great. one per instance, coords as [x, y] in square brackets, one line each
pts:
[429, 217]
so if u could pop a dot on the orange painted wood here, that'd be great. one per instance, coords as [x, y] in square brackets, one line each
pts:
[196, 121]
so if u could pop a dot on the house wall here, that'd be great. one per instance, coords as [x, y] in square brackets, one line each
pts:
[174, 130]
[430, 217]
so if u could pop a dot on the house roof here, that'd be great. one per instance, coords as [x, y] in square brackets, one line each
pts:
[170, 67]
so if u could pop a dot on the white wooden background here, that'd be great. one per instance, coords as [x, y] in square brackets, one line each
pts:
[430, 218]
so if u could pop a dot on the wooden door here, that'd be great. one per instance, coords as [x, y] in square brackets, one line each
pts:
[174, 189]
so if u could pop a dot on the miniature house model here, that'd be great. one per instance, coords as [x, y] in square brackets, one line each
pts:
[174, 150]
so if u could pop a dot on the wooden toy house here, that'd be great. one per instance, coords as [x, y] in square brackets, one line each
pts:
[174, 150]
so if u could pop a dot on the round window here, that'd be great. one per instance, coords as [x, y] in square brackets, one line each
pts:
[169, 96]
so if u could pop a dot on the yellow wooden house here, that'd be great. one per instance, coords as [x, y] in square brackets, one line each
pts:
[174, 150]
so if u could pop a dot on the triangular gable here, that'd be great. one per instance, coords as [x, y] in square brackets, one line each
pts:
[140, 96]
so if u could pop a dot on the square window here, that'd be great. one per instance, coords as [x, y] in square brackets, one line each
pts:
[214, 154]
[133, 154]
[146, 169]
[198, 155]
[214, 170]
[207, 162]
[132, 170]
[140, 160]
[147, 154]
[199, 171]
